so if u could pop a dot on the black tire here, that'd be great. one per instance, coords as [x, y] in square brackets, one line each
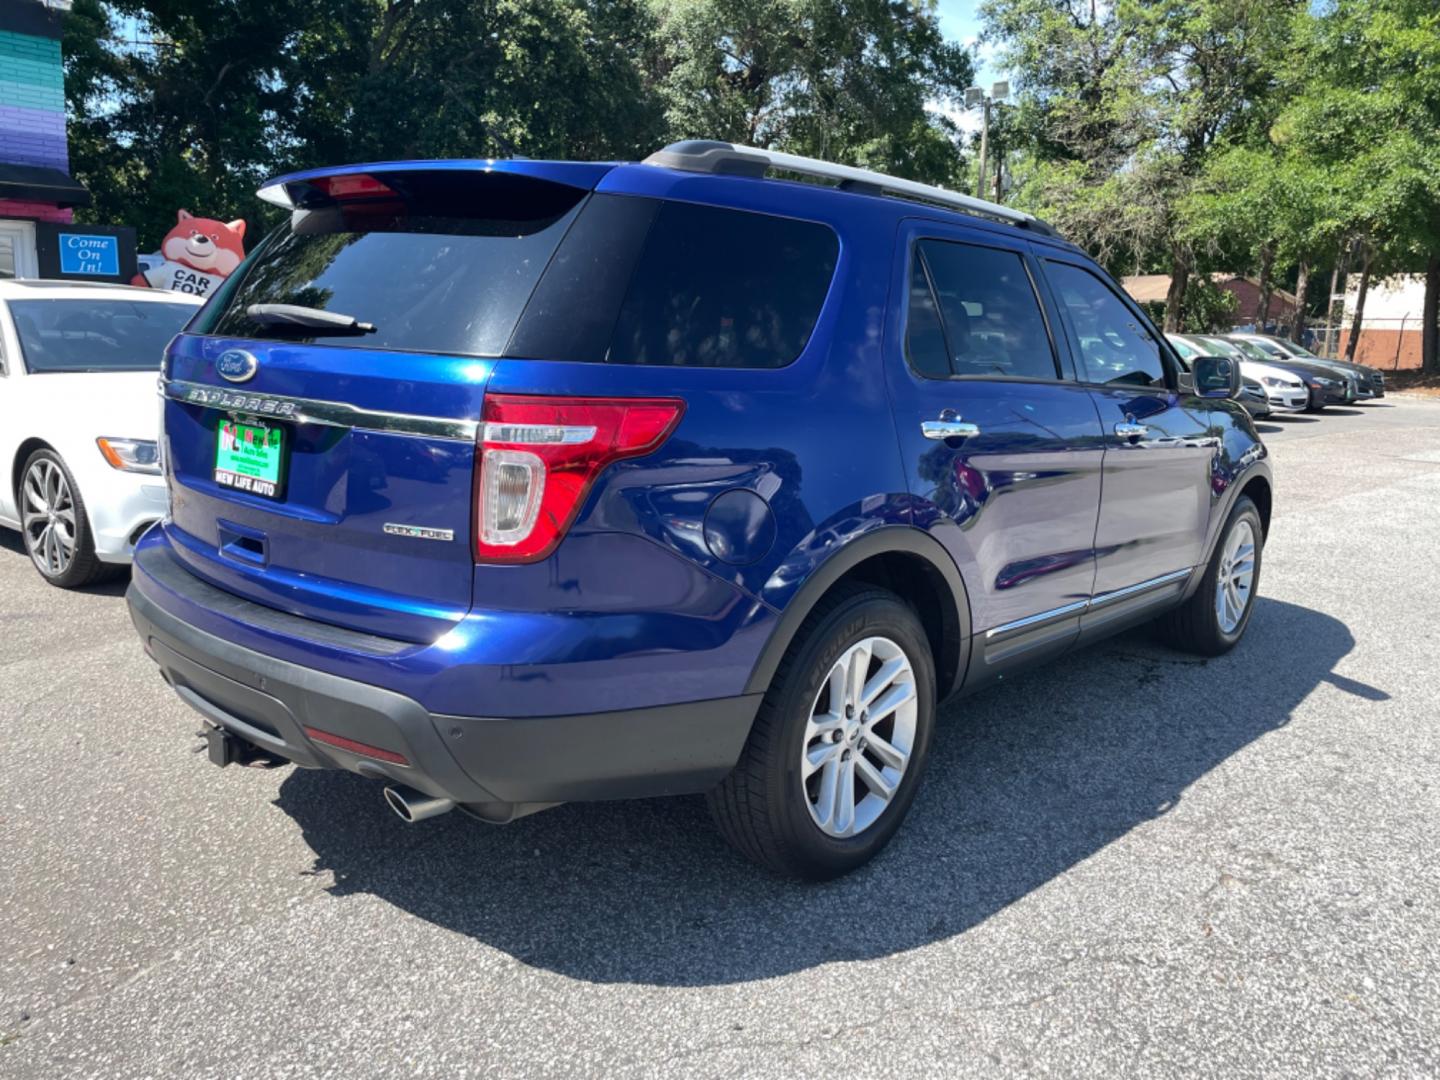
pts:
[1195, 626]
[84, 567]
[760, 808]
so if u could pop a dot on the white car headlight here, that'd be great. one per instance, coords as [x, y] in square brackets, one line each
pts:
[131, 455]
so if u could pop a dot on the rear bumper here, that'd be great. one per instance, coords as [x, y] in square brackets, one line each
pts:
[320, 720]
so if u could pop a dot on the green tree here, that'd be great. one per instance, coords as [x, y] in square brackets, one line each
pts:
[1126, 102]
[1366, 110]
[853, 81]
[451, 78]
[1208, 308]
[215, 98]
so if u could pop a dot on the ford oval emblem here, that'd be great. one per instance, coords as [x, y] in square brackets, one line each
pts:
[236, 365]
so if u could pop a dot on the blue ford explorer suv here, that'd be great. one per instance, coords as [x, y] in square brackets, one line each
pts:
[515, 483]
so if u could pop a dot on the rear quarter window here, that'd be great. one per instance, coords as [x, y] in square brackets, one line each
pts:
[724, 288]
[646, 281]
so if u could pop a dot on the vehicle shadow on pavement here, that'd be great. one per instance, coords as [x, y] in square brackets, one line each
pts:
[1025, 780]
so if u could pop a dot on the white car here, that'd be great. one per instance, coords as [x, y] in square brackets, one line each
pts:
[78, 419]
[1285, 390]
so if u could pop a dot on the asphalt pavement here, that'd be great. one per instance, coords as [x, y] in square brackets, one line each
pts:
[1130, 862]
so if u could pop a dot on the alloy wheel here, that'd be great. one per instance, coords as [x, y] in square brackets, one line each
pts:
[859, 737]
[47, 509]
[1237, 576]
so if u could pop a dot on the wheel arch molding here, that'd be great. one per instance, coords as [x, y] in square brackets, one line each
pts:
[1256, 477]
[910, 563]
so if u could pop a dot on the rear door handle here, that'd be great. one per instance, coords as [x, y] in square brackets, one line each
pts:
[1128, 429]
[940, 430]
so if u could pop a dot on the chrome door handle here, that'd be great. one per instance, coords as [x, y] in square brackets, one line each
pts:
[1128, 429]
[948, 429]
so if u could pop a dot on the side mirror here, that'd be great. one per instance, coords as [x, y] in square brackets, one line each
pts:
[1215, 376]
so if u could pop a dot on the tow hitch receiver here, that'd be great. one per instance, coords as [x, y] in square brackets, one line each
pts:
[221, 745]
[226, 749]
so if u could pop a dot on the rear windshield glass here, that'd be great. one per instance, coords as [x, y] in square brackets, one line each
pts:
[96, 335]
[445, 263]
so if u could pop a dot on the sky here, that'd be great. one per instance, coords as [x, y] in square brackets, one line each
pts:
[959, 22]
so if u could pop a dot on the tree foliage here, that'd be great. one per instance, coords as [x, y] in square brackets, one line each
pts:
[1190, 135]
[217, 97]
[1279, 137]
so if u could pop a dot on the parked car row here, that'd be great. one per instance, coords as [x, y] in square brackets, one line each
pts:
[1288, 377]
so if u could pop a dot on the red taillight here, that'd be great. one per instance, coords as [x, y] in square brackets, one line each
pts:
[538, 456]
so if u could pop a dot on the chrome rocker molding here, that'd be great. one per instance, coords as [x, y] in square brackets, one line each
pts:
[1033, 622]
[310, 411]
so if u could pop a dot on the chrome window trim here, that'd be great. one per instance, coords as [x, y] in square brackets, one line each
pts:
[1032, 622]
[338, 414]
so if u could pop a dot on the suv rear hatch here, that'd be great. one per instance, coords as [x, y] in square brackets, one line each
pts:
[322, 411]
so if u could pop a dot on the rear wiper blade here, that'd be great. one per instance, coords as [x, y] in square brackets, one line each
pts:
[308, 318]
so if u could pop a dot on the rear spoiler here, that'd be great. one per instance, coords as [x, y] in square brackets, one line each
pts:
[301, 189]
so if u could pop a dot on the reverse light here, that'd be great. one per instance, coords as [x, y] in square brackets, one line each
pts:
[538, 456]
[131, 455]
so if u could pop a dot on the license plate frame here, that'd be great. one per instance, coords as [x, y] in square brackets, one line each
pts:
[242, 466]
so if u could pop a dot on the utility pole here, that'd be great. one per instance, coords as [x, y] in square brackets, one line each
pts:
[976, 96]
[984, 144]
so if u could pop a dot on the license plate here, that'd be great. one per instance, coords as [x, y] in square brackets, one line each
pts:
[250, 457]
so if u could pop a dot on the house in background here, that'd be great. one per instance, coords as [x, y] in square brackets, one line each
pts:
[1390, 329]
[1153, 288]
[37, 194]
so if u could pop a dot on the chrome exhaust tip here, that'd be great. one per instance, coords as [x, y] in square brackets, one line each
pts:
[413, 806]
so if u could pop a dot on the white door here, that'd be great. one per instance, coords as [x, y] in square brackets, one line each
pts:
[17, 250]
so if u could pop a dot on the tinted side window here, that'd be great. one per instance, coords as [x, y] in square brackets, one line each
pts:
[925, 346]
[571, 314]
[724, 288]
[992, 319]
[1115, 347]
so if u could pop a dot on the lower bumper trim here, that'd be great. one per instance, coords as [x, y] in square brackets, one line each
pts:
[320, 720]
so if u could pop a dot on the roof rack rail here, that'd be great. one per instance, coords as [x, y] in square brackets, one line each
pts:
[710, 156]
